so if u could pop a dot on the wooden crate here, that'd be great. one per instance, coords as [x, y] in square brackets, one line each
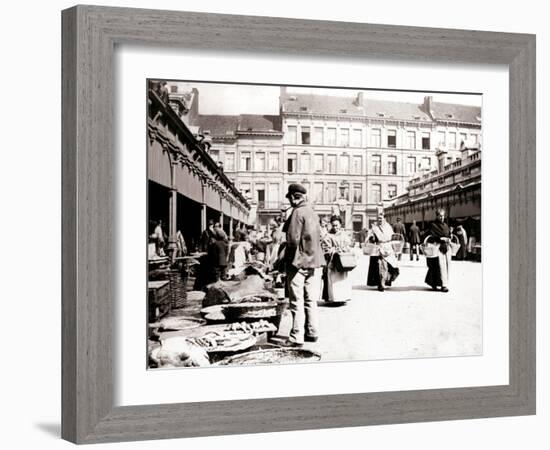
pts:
[160, 299]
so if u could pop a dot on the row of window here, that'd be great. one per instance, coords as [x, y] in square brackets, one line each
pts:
[318, 192]
[344, 164]
[449, 139]
[344, 137]
[324, 136]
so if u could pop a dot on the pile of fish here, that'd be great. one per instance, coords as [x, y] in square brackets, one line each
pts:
[225, 341]
[261, 326]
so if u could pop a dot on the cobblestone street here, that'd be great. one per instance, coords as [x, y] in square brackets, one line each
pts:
[408, 320]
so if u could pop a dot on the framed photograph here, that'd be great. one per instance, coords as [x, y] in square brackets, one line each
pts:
[244, 197]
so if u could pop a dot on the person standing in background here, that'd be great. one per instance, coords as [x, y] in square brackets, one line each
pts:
[438, 268]
[323, 223]
[383, 268]
[336, 284]
[158, 236]
[414, 240]
[263, 246]
[204, 271]
[207, 236]
[399, 228]
[277, 238]
[463, 239]
[218, 254]
[181, 247]
[279, 224]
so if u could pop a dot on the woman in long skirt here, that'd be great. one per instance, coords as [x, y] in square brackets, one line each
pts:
[336, 284]
[463, 240]
[325, 246]
[383, 269]
[438, 267]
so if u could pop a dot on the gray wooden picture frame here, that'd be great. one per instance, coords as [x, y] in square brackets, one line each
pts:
[90, 34]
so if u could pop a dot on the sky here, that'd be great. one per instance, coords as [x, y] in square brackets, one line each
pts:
[227, 99]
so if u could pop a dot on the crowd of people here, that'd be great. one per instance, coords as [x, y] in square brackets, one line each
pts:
[315, 253]
[316, 257]
[219, 256]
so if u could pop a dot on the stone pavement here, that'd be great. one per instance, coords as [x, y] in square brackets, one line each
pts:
[408, 320]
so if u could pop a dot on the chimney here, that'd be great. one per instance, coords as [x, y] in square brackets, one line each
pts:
[195, 100]
[282, 98]
[359, 100]
[428, 105]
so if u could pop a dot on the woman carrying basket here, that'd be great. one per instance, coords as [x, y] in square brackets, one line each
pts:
[336, 284]
[438, 267]
[383, 268]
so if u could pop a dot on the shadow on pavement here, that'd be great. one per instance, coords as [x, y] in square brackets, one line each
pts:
[361, 287]
[331, 304]
[409, 288]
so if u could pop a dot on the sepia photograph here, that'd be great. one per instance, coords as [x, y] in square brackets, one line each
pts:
[300, 224]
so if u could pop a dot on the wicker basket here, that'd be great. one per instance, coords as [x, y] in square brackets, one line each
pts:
[454, 244]
[276, 355]
[236, 312]
[178, 282]
[430, 250]
[397, 243]
[371, 249]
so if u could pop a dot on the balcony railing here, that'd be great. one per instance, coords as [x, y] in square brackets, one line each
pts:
[454, 166]
[275, 204]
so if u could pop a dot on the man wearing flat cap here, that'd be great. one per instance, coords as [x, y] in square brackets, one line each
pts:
[303, 261]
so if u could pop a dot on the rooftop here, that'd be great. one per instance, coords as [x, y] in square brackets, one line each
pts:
[358, 106]
[321, 104]
[219, 125]
[456, 113]
[374, 108]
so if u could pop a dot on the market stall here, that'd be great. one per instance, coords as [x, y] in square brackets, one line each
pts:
[229, 318]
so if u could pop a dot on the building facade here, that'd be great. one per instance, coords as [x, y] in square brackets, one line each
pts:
[365, 151]
[249, 149]
[350, 152]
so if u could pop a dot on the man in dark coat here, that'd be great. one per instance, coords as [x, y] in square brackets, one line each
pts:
[303, 260]
[217, 254]
[399, 228]
[414, 239]
[207, 236]
[205, 267]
